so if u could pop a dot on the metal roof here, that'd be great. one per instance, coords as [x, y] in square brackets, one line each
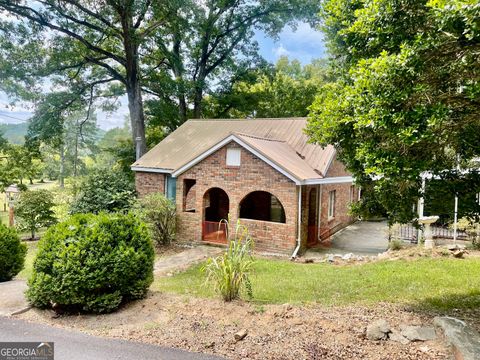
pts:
[282, 140]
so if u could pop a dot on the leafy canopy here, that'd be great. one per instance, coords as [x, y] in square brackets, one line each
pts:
[406, 97]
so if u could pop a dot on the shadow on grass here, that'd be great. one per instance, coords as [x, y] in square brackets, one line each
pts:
[464, 306]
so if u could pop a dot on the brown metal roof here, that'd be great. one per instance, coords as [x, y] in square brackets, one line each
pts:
[281, 140]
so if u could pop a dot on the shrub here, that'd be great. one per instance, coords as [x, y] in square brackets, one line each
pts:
[472, 229]
[12, 253]
[104, 190]
[395, 244]
[230, 272]
[160, 215]
[34, 210]
[92, 263]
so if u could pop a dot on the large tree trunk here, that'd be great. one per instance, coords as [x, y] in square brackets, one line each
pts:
[134, 90]
[197, 100]
[137, 118]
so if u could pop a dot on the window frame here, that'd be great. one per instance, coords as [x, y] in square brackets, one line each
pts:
[235, 155]
[332, 199]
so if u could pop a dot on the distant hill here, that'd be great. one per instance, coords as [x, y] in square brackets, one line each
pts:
[14, 133]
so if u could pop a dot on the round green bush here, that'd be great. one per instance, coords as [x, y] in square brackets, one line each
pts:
[12, 253]
[92, 263]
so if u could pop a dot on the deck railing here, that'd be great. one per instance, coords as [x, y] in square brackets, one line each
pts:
[408, 232]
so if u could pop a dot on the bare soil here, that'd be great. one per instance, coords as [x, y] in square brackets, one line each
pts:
[274, 331]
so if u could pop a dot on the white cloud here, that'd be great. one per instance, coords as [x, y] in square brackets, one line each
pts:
[281, 51]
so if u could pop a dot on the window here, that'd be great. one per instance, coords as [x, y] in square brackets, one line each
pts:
[233, 157]
[171, 188]
[261, 205]
[352, 194]
[331, 204]
[189, 195]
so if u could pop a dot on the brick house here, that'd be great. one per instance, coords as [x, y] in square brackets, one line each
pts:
[289, 193]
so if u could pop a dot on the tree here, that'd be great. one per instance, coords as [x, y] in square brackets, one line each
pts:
[34, 210]
[63, 124]
[284, 91]
[406, 96]
[88, 43]
[206, 44]
[104, 190]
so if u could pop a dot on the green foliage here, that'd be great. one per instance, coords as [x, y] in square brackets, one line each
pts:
[395, 244]
[406, 96]
[92, 263]
[104, 190]
[286, 90]
[472, 229]
[12, 253]
[230, 273]
[34, 210]
[159, 213]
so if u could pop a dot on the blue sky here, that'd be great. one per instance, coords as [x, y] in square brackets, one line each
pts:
[303, 44]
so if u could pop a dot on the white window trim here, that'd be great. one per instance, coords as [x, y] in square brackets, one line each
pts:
[332, 205]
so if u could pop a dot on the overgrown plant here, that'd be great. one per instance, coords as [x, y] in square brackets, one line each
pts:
[12, 253]
[230, 272]
[472, 229]
[159, 213]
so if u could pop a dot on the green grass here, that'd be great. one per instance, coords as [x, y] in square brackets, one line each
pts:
[430, 283]
[27, 269]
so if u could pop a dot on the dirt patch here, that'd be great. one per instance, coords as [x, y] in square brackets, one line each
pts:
[274, 331]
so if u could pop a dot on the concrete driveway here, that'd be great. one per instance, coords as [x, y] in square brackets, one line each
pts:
[360, 238]
[74, 345]
[12, 298]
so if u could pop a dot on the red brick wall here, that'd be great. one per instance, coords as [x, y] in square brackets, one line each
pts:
[147, 183]
[341, 218]
[252, 175]
[337, 169]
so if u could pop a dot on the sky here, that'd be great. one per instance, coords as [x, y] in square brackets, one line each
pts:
[303, 44]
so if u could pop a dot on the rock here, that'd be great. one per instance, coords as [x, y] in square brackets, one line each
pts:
[378, 330]
[395, 335]
[418, 333]
[452, 247]
[338, 256]
[240, 335]
[458, 253]
[462, 337]
[330, 258]
[347, 257]
[308, 261]
[360, 258]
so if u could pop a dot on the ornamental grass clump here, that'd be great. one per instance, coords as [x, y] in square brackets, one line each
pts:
[92, 263]
[230, 273]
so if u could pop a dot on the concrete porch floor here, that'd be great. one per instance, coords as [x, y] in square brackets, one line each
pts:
[360, 238]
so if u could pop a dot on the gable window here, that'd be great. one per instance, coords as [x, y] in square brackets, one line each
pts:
[189, 195]
[233, 157]
[331, 203]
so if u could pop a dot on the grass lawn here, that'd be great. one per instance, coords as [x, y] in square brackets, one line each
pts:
[27, 270]
[440, 284]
